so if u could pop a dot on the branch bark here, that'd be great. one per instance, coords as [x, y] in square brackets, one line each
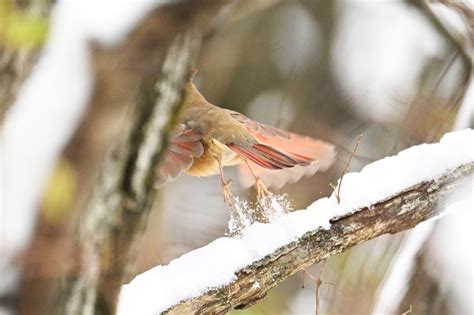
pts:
[124, 193]
[397, 213]
[121, 201]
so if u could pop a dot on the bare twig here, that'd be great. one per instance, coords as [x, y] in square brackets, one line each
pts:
[462, 44]
[466, 11]
[349, 152]
[318, 283]
[338, 196]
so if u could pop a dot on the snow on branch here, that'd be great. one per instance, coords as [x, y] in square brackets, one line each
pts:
[387, 196]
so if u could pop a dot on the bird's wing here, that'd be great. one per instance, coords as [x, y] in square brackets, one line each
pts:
[309, 155]
[179, 155]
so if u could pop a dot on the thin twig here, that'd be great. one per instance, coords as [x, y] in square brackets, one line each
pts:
[463, 42]
[454, 37]
[358, 156]
[319, 282]
[345, 170]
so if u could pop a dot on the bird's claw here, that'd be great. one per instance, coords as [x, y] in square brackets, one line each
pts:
[262, 190]
[226, 185]
[228, 197]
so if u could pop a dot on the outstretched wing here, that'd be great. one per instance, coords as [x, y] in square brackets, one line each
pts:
[179, 155]
[309, 155]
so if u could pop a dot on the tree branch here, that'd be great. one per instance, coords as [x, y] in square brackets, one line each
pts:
[457, 40]
[122, 198]
[396, 214]
[124, 193]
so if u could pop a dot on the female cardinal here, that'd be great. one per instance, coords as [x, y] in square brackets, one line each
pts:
[209, 137]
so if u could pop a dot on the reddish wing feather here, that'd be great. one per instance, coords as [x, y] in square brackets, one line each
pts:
[309, 154]
[179, 155]
[294, 145]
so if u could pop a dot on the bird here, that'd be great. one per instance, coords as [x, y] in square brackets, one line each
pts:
[207, 138]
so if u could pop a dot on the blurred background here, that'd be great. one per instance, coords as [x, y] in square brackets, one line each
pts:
[398, 72]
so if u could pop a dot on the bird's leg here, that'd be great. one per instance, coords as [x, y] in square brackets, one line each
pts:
[237, 219]
[228, 197]
[262, 190]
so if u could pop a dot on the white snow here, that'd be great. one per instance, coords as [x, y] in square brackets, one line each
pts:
[215, 265]
[393, 288]
[393, 174]
[450, 256]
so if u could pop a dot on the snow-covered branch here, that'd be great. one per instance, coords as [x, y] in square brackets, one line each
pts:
[387, 196]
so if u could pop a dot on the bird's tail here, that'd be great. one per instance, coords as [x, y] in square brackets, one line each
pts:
[281, 160]
[280, 156]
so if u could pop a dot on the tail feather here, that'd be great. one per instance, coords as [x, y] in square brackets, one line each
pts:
[277, 178]
[281, 160]
[277, 167]
[269, 157]
[311, 155]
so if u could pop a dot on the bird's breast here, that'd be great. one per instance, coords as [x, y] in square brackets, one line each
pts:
[207, 165]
